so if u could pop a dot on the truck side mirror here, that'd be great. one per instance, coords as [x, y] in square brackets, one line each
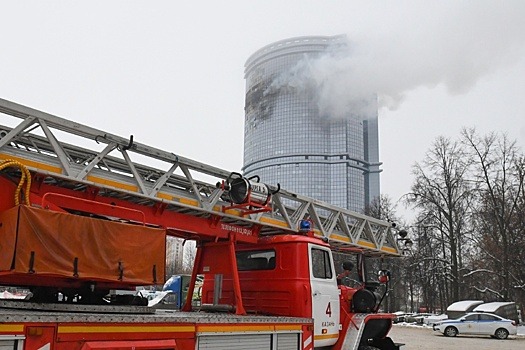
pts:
[384, 276]
[348, 265]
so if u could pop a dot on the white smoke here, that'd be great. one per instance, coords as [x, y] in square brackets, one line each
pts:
[455, 46]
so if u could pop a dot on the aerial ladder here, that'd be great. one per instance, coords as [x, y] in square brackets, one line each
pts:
[56, 167]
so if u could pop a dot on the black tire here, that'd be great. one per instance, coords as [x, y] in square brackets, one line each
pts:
[450, 331]
[368, 347]
[501, 333]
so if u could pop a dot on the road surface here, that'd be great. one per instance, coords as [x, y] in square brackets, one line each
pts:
[419, 338]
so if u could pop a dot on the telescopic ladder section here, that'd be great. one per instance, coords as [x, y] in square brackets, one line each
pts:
[174, 192]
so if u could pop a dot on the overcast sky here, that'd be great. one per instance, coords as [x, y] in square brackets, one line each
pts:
[173, 74]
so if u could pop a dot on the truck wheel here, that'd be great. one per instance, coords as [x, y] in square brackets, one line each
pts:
[451, 331]
[368, 347]
[501, 333]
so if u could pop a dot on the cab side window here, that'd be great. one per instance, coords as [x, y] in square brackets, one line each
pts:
[255, 260]
[321, 264]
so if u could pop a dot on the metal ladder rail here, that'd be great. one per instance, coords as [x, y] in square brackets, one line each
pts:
[36, 148]
[343, 228]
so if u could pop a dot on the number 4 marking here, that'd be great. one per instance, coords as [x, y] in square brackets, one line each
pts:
[329, 310]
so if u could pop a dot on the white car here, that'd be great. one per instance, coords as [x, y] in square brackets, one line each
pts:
[478, 323]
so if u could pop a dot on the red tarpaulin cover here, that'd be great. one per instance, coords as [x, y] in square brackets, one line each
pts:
[56, 239]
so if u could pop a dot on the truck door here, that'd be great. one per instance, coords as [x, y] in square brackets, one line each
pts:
[325, 296]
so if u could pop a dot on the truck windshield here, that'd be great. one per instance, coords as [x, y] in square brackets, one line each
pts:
[372, 265]
[256, 260]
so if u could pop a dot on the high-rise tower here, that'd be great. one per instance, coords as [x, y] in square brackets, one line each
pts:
[291, 139]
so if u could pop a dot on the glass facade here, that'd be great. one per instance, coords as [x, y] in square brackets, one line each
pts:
[287, 141]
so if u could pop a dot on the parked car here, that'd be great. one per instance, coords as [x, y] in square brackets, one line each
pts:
[478, 323]
[430, 320]
[416, 318]
[400, 316]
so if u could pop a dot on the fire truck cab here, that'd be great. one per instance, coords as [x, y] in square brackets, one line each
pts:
[295, 276]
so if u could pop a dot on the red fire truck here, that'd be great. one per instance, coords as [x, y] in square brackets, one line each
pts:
[84, 212]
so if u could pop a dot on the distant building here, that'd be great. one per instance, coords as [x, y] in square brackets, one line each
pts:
[287, 141]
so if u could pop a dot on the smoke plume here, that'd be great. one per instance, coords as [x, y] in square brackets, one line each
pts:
[454, 46]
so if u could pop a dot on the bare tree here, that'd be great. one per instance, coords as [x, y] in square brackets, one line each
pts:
[174, 261]
[442, 192]
[190, 252]
[382, 208]
[470, 229]
[499, 214]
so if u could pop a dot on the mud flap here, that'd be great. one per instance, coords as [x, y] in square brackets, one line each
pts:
[374, 332]
[354, 332]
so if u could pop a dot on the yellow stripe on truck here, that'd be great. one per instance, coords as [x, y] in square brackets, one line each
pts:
[363, 243]
[367, 244]
[390, 250]
[112, 183]
[274, 222]
[124, 329]
[17, 328]
[33, 164]
[247, 328]
[341, 238]
[348, 240]
[164, 196]
[326, 336]
[187, 201]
